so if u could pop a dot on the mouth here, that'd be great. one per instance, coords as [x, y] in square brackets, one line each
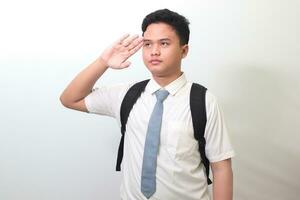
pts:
[155, 61]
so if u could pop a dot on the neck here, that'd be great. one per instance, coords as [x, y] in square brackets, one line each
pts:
[165, 80]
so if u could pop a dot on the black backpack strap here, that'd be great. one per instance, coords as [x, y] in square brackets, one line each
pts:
[127, 104]
[198, 111]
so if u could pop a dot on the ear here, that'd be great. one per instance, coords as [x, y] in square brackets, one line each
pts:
[184, 50]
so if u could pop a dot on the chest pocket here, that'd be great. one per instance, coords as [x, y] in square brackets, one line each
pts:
[180, 140]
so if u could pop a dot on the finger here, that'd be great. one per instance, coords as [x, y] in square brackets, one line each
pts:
[126, 42]
[135, 49]
[136, 42]
[121, 39]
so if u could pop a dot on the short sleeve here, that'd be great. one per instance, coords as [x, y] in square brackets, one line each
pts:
[218, 146]
[106, 100]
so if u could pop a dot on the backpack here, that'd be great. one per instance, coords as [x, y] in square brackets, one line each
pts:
[198, 112]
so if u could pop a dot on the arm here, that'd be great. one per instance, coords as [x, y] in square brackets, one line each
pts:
[114, 57]
[222, 180]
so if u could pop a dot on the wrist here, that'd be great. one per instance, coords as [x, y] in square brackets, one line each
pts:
[102, 61]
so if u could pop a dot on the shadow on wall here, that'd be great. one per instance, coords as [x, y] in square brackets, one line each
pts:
[262, 113]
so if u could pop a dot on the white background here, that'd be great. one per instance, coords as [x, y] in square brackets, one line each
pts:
[246, 52]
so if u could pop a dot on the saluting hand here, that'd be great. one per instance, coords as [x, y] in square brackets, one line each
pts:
[117, 54]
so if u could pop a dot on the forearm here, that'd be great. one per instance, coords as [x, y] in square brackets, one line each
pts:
[83, 83]
[223, 183]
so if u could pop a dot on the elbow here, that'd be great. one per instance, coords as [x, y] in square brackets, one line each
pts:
[69, 102]
[64, 101]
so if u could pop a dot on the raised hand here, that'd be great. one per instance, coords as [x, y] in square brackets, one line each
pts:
[117, 54]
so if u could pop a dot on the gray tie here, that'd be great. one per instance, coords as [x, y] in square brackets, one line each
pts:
[148, 181]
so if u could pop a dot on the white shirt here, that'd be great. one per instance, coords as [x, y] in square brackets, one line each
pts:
[179, 174]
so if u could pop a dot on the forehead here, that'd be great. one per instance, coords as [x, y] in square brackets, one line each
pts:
[157, 31]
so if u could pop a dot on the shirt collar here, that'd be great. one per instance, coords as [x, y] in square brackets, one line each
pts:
[172, 87]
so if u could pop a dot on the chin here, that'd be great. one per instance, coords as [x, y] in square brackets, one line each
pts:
[155, 70]
[159, 73]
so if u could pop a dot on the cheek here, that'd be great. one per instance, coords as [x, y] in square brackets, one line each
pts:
[144, 55]
[173, 55]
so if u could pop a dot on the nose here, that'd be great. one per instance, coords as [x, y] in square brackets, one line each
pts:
[155, 51]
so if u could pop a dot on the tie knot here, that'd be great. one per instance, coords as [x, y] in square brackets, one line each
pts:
[161, 95]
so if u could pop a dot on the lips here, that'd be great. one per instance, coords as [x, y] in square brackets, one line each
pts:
[155, 61]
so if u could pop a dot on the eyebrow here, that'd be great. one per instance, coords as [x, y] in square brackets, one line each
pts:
[163, 39]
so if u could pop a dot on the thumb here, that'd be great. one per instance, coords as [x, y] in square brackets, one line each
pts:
[125, 64]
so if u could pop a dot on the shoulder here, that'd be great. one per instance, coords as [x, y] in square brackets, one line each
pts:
[106, 99]
[210, 97]
[213, 109]
[117, 90]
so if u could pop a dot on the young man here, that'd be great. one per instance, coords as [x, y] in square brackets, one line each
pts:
[179, 173]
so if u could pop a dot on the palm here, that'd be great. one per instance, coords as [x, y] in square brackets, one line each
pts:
[117, 54]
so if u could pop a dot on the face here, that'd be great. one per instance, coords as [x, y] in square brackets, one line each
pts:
[162, 52]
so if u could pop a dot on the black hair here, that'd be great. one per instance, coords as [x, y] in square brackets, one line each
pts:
[178, 22]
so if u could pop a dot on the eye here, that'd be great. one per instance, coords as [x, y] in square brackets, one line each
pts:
[164, 44]
[147, 44]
